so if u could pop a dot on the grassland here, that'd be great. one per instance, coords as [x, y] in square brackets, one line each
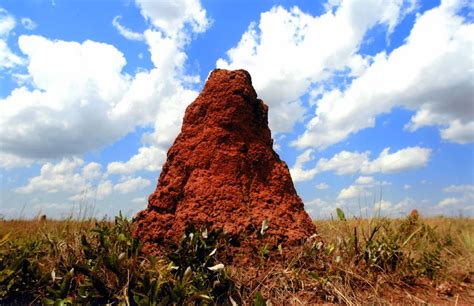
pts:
[356, 261]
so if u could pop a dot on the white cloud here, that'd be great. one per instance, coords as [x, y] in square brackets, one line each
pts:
[288, 51]
[465, 199]
[365, 180]
[402, 160]
[459, 132]
[104, 189]
[139, 200]
[346, 162]
[148, 158]
[92, 193]
[404, 206]
[131, 184]
[353, 191]
[322, 208]
[83, 102]
[322, 186]
[430, 74]
[298, 174]
[7, 22]
[92, 171]
[162, 84]
[166, 83]
[9, 161]
[451, 202]
[7, 58]
[69, 110]
[85, 182]
[55, 178]
[343, 162]
[406, 186]
[331, 4]
[459, 188]
[127, 33]
[382, 205]
[70, 176]
[172, 16]
[360, 188]
[28, 23]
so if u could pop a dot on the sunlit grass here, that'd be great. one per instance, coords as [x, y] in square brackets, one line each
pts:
[376, 260]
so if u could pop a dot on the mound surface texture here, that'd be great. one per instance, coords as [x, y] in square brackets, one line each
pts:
[222, 172]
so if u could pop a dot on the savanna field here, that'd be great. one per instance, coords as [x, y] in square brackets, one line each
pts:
[351, 261]
[199, 152]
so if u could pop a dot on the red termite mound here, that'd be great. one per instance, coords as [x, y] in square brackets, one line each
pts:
[222, 172]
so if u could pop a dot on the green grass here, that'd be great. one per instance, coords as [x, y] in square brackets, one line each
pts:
[350, 261]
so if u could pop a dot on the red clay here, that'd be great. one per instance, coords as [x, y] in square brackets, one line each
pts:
[222, 172]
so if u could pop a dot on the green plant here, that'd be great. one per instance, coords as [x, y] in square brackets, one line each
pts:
[106, 269]
[19, 270]
[340, 214]
[356, 261]
[259, 300]
[198, 274]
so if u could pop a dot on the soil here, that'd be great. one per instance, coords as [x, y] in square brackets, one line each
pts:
[222, 172]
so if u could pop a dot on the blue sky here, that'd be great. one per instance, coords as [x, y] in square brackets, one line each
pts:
[371, 102]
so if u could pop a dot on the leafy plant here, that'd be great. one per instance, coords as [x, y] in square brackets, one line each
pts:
[19, 271]
[199, 276]
[340, 214]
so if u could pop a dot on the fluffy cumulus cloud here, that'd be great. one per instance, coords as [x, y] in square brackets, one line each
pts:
[430, 74]
[361, 188]
[463, 198]
[76, 98]
[172, 17]
[68, 110]
[84, 181]
[148, 158]
[172, 25]
[365, 180]
[54, 178]
[402, 160]
[288, 51]
[81, 100]
[131, 184]
[351, 192]
[346, 162]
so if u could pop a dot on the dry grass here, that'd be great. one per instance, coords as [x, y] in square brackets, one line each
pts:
[434, 263]
[357, 261]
